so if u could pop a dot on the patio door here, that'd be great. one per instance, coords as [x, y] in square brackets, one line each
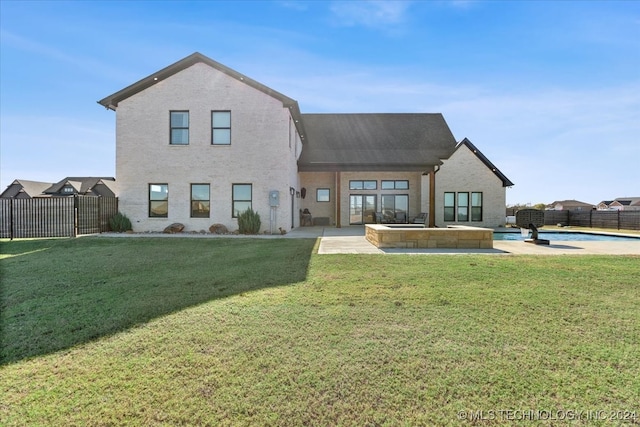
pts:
[362, 209]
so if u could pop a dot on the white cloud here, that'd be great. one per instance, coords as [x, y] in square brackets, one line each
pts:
[370, 13]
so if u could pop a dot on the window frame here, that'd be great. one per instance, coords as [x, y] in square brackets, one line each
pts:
[449, 209]
[193, 200]
[394, 183]
[353, 184]
[151, 199]
[328, 190]
[462, 210]
[384, 207]
[234, 200]
[214, 128]
[476, 209]
[172, 127]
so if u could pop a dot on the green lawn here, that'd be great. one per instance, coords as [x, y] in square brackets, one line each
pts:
[179, 331]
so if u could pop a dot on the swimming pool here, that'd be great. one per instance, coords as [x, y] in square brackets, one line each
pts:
[563, 236]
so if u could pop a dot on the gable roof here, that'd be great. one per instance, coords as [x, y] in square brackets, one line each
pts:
[370, 142]
[30, 188]
[505, 181]
[82, 184]
[570, 203]
[111, 101]
[627, 201]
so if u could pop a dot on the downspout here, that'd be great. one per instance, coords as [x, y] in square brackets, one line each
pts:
[338, 197]
[432, 196]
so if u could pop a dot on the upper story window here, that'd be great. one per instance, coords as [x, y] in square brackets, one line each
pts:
[221, 127]
[395, 185]
[179, 128]
[363, 185]
[67, 190]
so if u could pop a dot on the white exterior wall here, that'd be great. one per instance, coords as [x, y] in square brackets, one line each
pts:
[262, 152]
[465, 172]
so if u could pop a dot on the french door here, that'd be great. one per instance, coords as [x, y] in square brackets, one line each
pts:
[362, 209]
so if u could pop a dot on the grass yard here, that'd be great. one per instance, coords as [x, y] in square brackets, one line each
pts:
[178, 331]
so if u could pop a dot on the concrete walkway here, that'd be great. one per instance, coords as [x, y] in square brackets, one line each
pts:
[351, 240]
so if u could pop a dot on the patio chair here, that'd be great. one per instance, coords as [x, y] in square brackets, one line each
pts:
[401, 217]
[421, 219]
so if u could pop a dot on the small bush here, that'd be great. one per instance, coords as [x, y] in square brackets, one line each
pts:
[120, 223]
[249, 222]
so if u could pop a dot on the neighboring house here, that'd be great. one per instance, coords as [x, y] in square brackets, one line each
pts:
[23, 189]
[198, 143]
[569, 205]
[625, 204]
[85, 186]
[604, 205]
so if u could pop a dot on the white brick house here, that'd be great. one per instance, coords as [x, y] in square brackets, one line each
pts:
[198, 142]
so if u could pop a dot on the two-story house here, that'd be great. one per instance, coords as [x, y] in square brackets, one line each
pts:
[198, 143]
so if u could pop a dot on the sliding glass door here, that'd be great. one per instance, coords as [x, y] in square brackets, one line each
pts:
[362, 209]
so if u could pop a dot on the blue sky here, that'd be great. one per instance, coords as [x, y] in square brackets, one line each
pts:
[548, 91]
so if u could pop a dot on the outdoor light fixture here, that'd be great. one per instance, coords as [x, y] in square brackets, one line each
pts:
[292, 191]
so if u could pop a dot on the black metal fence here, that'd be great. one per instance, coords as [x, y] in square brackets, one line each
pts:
[627, 220]
[55, 216]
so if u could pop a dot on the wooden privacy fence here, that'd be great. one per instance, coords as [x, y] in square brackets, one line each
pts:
[55, 216]
[627, 220]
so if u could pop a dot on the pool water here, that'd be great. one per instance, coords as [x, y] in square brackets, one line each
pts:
[563, 236]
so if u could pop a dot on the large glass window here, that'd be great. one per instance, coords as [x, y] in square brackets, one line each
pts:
[221, 127]
[179, 127]
[158, 200]
[449, 206]
[241, 199]
[322, 194]
[200, 201]
[395, 207]
[363, 185]
[463, 206]
[476, 206]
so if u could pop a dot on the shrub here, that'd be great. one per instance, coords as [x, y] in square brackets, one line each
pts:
[249, 222]
[120, 223]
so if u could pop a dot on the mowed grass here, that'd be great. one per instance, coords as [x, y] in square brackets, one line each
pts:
[99, 331]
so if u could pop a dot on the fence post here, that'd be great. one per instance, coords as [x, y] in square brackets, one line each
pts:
[11, 219]
[75, 215]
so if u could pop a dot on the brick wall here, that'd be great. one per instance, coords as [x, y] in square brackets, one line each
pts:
[465, 172]
[261, 151]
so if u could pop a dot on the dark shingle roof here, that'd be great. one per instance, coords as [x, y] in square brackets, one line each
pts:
[30, 188]
[393, 142]
[81, 184]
